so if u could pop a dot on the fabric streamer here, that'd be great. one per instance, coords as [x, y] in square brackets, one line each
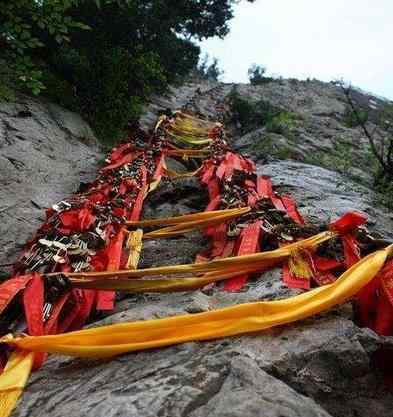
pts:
[109, 341]
[90, 245]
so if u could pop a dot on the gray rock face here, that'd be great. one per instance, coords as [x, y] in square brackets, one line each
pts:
[45, 151]
[323, 366]
[176, 98]
[319, 133]
[325, 195]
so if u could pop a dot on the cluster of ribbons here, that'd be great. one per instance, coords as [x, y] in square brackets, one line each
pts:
[251, 228]
[95, 219]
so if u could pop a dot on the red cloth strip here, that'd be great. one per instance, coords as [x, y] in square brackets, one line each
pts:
[291, 208]
[387, 280]
[325, 264]
[264, 187]
[249, 244]
[213, 204]
[10, 288]
[384, 319]
[292, 281]
[33, 304]
[86, 304]
[219, 240]
[75, 304]
[351, 250]
[367, 302]
[213, 188]
[126, 159]
[348, 222]
[277, 203]
[106, 299]
[52, 323]
[221, 169]
[138, 205]
[208, 173]
[159, 167]
[118, 152]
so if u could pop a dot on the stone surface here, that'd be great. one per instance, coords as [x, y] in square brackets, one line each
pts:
[319, 133]
[323, 366]
[325, 195]
[45, 151]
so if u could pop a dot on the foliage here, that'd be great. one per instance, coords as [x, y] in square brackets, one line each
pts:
[208, 71]
[282, 123]
[267, 147]
[250, 115]
[105, 57]
[380, 141]
[6, 90]
[257, 75]
[23, 24]
[385, 193]
[341, 159]
[261, 113]
[352, 120]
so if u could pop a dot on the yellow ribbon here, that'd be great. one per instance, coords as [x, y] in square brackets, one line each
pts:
[218, 265]
[108, 341]
[188, 226]
[134, 244]
[173, 175]
[167, 221]
[161, 285]
[13, 379]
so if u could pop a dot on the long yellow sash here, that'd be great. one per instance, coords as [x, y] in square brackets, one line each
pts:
[107, 341]
[218, 265]
[13, 380]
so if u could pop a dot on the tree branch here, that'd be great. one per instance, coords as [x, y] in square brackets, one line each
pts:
[362, 124]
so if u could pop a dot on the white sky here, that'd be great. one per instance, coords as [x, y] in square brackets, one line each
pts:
[323, 39]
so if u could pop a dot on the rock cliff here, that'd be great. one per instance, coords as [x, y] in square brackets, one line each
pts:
[45, 152]
[324, 366]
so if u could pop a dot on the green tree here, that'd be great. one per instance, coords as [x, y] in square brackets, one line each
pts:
[257, 75]
[209, 71]
[105, 57]
[23, 24]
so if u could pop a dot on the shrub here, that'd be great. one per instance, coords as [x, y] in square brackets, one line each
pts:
[250, 115]
[208, 71]
[24, 24]
[256, 75]
[105, 57]
[352, 120]
[259, 114]
[385, 193]
[282, 123]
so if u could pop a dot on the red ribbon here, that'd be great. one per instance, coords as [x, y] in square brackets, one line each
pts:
[213, 188]
[10, 288]
[126, 159]
[249, 244]
[76, 220]
[291, 209]
[351, 250]
[33, 303]
[264, 187]
[113, 253]
[292, 281]
[348, 222]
